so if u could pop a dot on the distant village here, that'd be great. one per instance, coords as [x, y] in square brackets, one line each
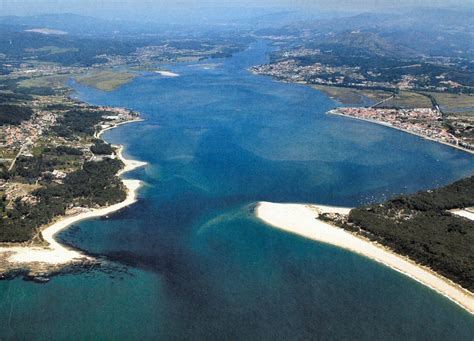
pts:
[298, 66]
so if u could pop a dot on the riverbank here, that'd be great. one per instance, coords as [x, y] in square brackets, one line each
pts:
[386, 124]
[302, 220]
[54, 256]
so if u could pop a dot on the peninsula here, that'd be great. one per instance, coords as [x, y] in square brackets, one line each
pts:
[415, 235]
[41, 260]
[55, 171]
[43, 255]
[106, 80]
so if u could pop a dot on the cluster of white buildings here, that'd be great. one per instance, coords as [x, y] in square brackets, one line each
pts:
[15, 136]
[425, 122]
[317, 73]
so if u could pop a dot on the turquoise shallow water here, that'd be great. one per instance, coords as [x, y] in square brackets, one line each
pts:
[189, 259]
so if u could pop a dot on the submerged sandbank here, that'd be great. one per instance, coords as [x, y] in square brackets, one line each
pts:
[302, 220]
[167, 73]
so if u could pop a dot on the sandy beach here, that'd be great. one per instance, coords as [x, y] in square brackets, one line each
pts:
[301, 219]
[115, 125]
[55, 255]
[466, 213]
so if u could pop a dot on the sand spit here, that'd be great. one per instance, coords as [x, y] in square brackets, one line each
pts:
[302, 220]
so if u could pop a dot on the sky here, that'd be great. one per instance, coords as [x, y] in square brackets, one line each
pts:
[127, 9]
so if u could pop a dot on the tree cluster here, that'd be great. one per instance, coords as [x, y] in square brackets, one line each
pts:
[421, 227]
[96, 184]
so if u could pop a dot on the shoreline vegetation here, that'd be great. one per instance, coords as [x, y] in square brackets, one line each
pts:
[106, 80]
[43, 260]
[110, 80]
[304, 221]
[388, 125]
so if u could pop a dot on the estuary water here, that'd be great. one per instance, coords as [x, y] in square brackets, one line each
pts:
[190, 261]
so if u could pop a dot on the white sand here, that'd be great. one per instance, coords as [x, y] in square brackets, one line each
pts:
[463, 213]
[57, 254]
[301, 220]
[167, 73]
[129, 164]
[115, 125]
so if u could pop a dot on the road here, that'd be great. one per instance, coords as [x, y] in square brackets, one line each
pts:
[16, 157]
[382, 101]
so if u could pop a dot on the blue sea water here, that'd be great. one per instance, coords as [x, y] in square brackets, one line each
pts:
[190, 261]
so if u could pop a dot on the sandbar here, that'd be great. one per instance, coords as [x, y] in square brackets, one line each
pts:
[301, 219]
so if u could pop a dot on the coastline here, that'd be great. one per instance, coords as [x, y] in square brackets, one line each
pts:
[115, 125]
[385, 124]
[45, 259]
[301, 219]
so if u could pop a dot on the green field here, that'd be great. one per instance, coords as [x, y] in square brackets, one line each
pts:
[107, 80]
[450, 103]
[352, 96]
[454, 103]
[407, 100]
[53, 49]
[56, 81]
[144, 68]
[342, 95]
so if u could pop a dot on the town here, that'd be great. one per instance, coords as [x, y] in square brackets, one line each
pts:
[30, 139]
[425, 122]
[302, 65]
[23, 137]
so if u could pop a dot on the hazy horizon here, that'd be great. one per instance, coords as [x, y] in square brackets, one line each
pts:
[151, 10]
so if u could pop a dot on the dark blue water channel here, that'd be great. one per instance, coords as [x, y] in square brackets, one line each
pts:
[197, 264]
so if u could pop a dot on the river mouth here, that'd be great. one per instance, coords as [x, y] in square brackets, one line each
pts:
[200, 265]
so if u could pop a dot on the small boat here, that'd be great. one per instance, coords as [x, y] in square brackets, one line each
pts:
[41, 279]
